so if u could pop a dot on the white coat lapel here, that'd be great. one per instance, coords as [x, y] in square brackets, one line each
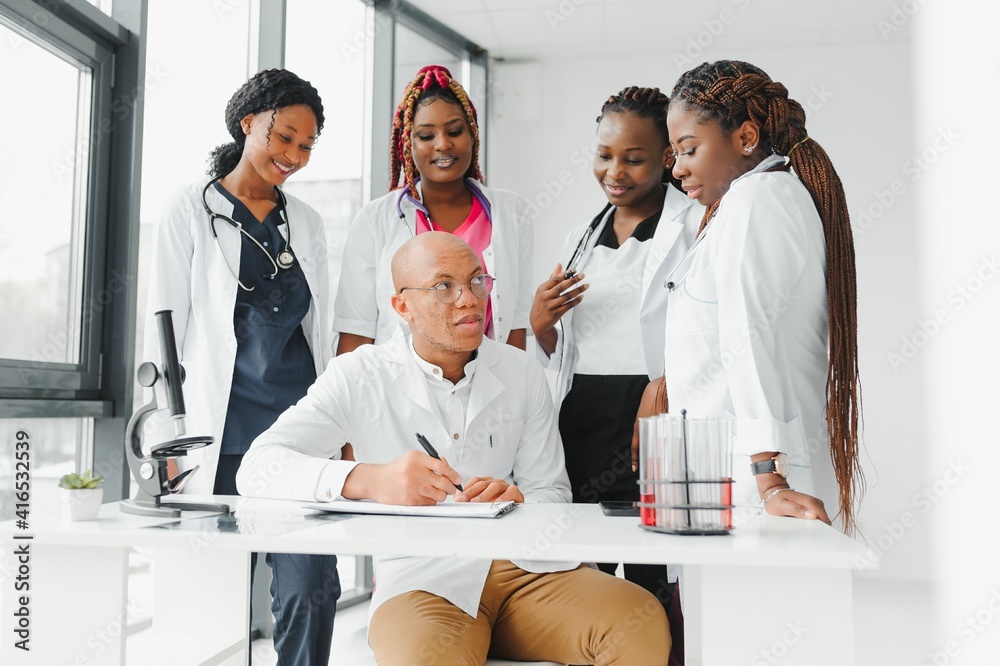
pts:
[486, 386]
[411, 384]
[666, 250]
[229, 238]
[304, 251]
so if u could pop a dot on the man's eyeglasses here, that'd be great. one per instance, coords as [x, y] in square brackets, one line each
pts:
[449, 291]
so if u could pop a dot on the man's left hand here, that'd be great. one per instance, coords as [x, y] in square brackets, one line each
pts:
[488, 489]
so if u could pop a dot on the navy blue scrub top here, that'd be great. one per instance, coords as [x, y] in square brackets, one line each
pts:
[274, 366]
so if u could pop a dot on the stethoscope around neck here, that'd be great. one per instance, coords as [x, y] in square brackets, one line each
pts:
[404, 195]
[285, 258]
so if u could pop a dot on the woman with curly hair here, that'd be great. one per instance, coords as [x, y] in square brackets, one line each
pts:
[435, 185]
[243, 267]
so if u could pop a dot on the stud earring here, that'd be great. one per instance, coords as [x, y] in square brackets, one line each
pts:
[749, 149]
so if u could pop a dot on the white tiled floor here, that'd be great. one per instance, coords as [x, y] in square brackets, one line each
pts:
[892, 622]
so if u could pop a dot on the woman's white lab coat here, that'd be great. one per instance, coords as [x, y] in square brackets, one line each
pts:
[746, 328]
[190, 277]
[381, 226]
[674, 234]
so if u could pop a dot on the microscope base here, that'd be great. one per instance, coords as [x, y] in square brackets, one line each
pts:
[168, 509]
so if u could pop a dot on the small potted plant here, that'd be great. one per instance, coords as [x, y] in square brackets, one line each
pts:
[80, 496]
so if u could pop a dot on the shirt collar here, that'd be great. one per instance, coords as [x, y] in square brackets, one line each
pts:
[768, 162]
[435, 373]
[474, 186]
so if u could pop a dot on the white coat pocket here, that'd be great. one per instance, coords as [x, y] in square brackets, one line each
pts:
[697, 306]
[496, 445]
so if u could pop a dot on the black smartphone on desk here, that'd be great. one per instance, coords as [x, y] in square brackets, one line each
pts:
[620, 508]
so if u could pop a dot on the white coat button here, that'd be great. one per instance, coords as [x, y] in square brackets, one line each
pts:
[455, 435]
[669, 285]
[436, 371]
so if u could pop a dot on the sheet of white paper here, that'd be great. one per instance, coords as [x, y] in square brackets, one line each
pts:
[442, 510]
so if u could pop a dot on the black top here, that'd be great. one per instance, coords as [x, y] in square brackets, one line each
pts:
[642, 232]
[274, 365]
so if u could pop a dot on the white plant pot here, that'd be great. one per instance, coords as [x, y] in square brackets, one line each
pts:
[80, 504]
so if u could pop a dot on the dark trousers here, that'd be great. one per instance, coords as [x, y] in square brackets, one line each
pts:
[304, 592]
[596, 422]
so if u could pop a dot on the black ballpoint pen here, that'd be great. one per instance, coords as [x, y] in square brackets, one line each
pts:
[432, 452]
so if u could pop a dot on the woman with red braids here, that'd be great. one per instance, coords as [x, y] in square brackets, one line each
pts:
[435, 168]
[761, 316]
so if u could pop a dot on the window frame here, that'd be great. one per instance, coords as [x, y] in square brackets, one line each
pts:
[40, 388]
[100, 386]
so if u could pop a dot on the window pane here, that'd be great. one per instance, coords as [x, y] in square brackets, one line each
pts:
[185, 101]
[103, 5]
[325, 44]
[55, 445]
[43, 192]
[414, 51]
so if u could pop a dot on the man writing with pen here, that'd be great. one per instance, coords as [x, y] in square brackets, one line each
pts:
[485, 408]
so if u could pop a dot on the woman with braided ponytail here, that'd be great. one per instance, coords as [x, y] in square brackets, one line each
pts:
[435, 185]
[243, 267]
[761, 319]
[595, 340]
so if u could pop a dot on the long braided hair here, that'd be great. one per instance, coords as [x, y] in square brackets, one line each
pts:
[731, 92]
[268, 90]
[432, 82]
[645, 103]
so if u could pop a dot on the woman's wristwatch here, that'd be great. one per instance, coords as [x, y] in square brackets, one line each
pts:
[776, 465]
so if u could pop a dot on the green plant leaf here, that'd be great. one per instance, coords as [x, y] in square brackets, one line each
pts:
[74, 481]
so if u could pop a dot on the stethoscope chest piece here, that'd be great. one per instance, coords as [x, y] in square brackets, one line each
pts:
[285, 259]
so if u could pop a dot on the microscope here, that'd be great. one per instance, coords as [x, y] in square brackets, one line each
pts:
[150, 470]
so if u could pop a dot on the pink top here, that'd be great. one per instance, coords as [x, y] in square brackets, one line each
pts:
[477, 231]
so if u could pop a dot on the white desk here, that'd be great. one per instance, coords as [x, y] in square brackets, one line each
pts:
[774, 587]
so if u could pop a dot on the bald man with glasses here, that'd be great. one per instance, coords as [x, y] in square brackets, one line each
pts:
[486, 408]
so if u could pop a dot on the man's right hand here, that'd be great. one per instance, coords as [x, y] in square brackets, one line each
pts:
[412, 479]
[553, 299]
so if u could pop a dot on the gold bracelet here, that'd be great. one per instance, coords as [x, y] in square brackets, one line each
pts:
[771, 494]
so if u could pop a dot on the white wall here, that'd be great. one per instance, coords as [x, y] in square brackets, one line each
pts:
[859, 103]
[959, 245]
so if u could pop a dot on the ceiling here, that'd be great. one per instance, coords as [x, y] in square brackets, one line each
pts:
[535, 29]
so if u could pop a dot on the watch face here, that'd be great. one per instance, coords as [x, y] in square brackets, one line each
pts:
[781, 465]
